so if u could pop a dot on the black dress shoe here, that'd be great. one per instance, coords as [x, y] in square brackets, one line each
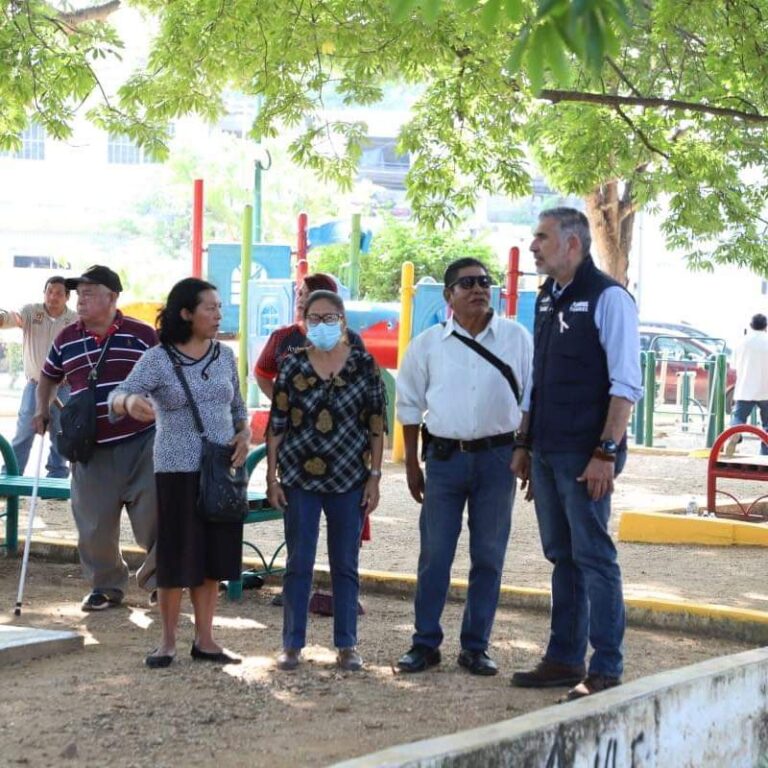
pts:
[155, 661]
[222, 657]
[477, 662]
[419, 658]
[549, 674]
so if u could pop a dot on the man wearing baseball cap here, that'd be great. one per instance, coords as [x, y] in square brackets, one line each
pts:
[120, 472]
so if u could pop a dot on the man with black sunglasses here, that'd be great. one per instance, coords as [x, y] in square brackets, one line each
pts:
[586, 378]
[469, 379]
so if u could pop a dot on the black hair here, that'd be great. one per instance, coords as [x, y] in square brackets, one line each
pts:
[759, 322]
[172, 328]
[452, 273]
[334, 298]
[56, 280]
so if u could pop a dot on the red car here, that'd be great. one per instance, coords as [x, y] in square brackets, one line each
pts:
[676, 354]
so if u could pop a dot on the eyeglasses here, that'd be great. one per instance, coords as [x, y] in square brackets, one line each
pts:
[329, 318]
[470, 281]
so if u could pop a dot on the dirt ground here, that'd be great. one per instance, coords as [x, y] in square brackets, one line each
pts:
[102, 706]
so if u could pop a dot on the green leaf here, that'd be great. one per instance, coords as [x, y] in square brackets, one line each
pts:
[490, 14]
[534, 59]
[556, 57]
[515, 59]
[515, 10]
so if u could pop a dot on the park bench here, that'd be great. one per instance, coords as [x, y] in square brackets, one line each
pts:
[13, 486]
[748, 467]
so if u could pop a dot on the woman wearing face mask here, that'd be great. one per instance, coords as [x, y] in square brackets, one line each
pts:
[326, 438]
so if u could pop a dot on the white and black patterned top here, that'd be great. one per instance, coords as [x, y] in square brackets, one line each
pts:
[215, 386]
[327, 424]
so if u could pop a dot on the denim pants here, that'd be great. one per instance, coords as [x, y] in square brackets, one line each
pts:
[742, 410]
[484, 482]
[344, 519]
[25, 432]
[587, 600]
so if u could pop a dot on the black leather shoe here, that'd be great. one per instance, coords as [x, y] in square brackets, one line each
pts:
[477, 662]
[157, 661]
[419, 658]
[222, 657]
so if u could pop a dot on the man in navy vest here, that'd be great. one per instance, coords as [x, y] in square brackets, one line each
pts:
[586, 377]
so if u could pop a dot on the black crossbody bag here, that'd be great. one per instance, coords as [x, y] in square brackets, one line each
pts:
[76, 439]
[506, 370]
[222, 496]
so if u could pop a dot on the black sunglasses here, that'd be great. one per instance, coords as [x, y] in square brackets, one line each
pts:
[470, 281]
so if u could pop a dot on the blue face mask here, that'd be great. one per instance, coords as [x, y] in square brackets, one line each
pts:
[324, 336]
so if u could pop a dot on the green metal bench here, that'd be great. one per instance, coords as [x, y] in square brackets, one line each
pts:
[259, 511]
[13, 486]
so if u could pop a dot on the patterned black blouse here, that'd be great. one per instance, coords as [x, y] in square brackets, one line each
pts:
[327, 424]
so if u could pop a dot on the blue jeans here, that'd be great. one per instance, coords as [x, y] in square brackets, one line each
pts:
[587, 600]
[742, 410]
[25, 432]
[344, 519]
[483, 481]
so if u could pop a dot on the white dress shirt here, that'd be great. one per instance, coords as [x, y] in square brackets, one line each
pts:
[463, 395]
[750, 359]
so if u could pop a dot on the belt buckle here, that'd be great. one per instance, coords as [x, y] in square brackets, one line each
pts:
[462, 443]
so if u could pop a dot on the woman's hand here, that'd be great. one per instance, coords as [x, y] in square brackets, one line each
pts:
[139, 407]
[241, 442]
[276, 495]
[370, 495]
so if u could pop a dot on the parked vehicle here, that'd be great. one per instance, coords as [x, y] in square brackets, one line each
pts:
[683, 329]
[678, 353]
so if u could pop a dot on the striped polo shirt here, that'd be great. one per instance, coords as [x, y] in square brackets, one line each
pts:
[75, 352]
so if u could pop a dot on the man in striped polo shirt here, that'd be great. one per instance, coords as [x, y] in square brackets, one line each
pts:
[120, 473]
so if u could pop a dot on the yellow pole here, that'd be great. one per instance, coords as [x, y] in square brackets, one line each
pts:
[407, 292]
[245, 274]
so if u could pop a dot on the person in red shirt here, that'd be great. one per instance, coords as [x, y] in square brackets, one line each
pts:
[289, 338]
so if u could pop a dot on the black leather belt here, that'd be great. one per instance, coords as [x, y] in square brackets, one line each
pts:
[481, 444]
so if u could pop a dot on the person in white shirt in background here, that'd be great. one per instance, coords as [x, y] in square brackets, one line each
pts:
[472, 415]
[750, 359]
[41, 324]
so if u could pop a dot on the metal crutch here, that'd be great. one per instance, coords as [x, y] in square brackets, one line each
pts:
[28, 540]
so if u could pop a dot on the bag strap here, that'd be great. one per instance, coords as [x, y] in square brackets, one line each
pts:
[506, 370]
[176, 363]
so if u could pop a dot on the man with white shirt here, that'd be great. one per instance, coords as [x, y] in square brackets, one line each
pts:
[750, 359]
[471, 411]
[41, 323]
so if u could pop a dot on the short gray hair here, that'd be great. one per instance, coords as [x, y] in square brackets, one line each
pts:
[572, 222]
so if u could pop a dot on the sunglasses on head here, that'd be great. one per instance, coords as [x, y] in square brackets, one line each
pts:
[470, 281]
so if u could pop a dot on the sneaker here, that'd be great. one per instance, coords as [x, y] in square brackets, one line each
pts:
[549, 674]
[98, 601]
[349, 659]
[589, 685]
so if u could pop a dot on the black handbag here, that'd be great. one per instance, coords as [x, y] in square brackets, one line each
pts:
[222, 496]
[76, 439]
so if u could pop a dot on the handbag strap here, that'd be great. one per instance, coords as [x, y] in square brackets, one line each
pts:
[176, 363]
[506, 370]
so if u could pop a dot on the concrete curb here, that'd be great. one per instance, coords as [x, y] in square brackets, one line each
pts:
[668, 526]
[689, 617]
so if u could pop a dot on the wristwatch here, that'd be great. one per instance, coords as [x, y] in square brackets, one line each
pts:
[375, 473]
[606, 450]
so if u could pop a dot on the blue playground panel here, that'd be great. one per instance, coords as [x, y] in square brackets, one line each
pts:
[429, 306]
[268, 261]
[526, 304]
[334, 232]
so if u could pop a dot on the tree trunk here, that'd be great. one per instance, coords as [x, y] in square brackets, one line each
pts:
[611, 220]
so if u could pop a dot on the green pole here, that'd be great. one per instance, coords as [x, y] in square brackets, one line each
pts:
[257, 169]
[354, 257]
[685, 394]
[640, 404]
[721, 368]
[245, 274]
[650, 396]
[711, 369]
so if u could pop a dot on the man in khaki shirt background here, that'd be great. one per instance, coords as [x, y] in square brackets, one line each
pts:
[40, 324]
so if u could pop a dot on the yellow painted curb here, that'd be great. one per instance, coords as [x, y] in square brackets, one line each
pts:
[644, 450]
[662, 527]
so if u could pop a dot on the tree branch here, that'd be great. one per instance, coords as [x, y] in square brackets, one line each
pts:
[640, 134]
[610, 100]
[83, 15]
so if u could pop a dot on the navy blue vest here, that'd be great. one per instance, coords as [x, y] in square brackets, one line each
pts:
[570, 396]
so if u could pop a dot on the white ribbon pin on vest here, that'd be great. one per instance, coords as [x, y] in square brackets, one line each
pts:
[563, 325]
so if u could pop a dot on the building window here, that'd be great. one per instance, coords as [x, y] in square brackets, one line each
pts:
[32, 144]
[122, 150]
[269, 318]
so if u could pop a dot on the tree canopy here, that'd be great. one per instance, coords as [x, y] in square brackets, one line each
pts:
[673, 112]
